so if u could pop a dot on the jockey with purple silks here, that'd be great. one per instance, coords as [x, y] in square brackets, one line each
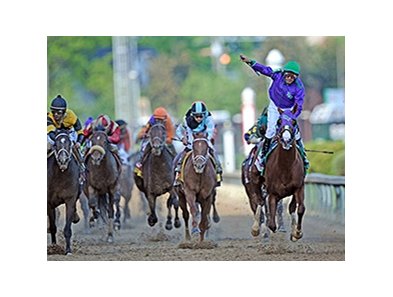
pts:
[286, 92]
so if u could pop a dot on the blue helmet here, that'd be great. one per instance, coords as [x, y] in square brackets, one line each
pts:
[198, 108]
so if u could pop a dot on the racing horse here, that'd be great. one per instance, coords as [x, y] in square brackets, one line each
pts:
[198, 186]
[158, 176]
[102, 184]
[284, 174]
[62, 185]
[253, 183]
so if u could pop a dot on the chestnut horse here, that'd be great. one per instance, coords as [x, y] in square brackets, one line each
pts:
[199, 183]
[62, 185]
[158, 176]
[284, 174]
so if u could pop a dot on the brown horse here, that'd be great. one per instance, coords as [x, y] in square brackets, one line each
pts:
[62, 185]
[284, 174]
[253, 183]
[103, 172]
[158, 176]
[199, 182]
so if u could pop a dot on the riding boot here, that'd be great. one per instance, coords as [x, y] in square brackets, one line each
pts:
[82, 168]
[306, 163]
[171, 149]
[266, 145]
[178, 168]
[218, 167]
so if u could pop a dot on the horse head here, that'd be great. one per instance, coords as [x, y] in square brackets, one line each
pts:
[63, 149]
[157, 137]
[99, 142]
[200, 152]
[286, 128]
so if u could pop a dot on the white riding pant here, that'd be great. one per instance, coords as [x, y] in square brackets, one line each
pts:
[272, 117]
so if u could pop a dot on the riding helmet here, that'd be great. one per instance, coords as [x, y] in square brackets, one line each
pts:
[160, 113]
[198, 107]
[59, 103]
[103, 121]
[292, 66]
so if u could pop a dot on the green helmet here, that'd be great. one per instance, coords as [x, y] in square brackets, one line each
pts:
[292, 66]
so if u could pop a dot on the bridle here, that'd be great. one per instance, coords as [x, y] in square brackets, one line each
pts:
[97, 149]
[63, 155]
[286, 131]
[199, 160]
[157, 142]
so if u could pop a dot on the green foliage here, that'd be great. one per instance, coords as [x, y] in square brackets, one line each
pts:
[80, 69]
[218, 91]
[333, 164]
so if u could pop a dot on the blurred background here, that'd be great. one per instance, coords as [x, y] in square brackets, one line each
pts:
[128, 77]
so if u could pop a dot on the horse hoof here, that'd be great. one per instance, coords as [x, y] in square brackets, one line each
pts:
[116, 226]
[75, 218]
[281, 228]
[254, 233]
[295, 237]
[168, 226]
[110, 239]
[151, 221]
[216, 219]
[177, 224]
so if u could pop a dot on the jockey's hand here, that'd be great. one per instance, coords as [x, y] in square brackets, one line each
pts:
[294, 109]
[77, 145]
[184, 140]
[244, 58]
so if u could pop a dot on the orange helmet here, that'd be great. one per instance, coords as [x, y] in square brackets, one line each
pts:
[160, 113]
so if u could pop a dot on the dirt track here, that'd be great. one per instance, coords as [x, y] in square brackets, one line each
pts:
[229, 240]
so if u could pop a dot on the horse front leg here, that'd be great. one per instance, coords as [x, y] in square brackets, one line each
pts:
[272, 212]
[117, 224]
[70, 210]
[186, 215]
[280, 217]
[152, 218]
[256, 203]
[168, 224]
[191, 200]
[111, 212]
[216, 217]
[297, 198]
[204, 225]
[93, 204]
[52, 223]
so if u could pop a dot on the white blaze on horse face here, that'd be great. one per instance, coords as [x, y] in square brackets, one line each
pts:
[286, 136]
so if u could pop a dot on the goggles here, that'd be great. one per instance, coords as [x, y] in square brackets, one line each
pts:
[290, 75]
[198, 115]
[58, 111]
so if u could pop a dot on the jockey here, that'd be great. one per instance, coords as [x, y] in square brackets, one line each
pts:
[61, 117]
[256, 133]
[124, 145]
[197, 119]
[286, 92]
[110, 127]
[159, 115]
